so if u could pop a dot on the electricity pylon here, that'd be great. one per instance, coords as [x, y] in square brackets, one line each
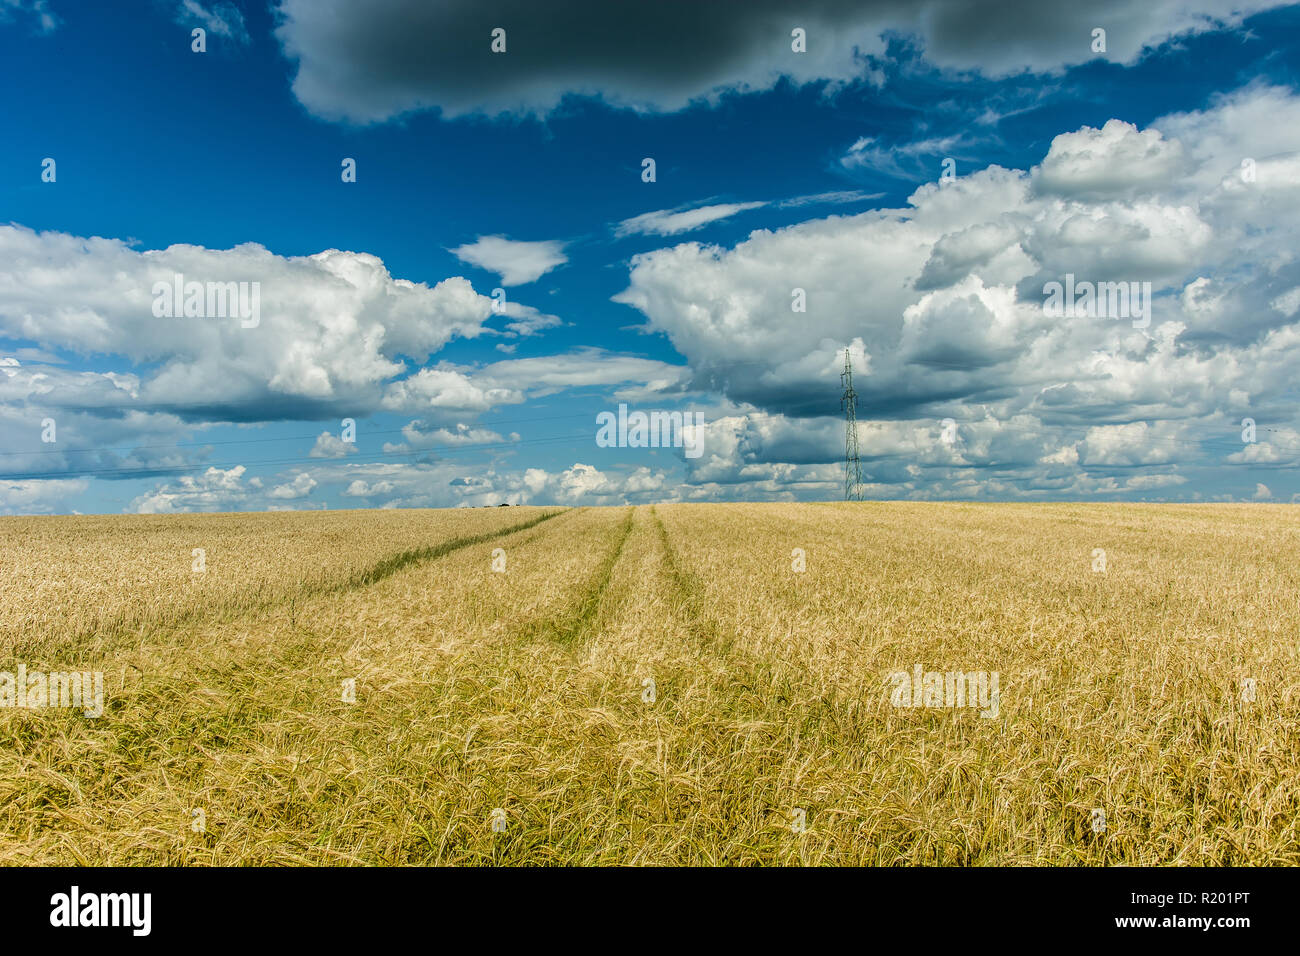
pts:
[849, 402]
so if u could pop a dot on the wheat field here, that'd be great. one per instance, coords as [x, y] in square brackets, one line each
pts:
[685, 684]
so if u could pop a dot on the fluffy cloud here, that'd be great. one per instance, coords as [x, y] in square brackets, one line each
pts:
[334, 328]
[226, 489]
[367, 63]
[331, 446]
[214, 490]
[1116, 160]
[583, 482]
[299, 487]
[358, 488]
[461, 435]
[517, 263]
[325, 336]
[38, 497]
[449, 390]
[457, 391]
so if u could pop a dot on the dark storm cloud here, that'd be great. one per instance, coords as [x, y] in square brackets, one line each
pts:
[370, 62]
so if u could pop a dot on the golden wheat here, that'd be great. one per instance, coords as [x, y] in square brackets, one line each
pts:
[684, 684]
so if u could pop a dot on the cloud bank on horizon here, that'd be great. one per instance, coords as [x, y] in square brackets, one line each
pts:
[925, 172]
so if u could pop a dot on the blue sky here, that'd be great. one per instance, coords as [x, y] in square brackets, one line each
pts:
[522, 171]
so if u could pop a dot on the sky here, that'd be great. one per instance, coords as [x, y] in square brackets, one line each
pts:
[457, 261]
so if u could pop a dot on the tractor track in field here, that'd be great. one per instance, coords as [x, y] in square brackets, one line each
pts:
[570, 626]
[702, 628]
[112, 631]
[397, 562]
